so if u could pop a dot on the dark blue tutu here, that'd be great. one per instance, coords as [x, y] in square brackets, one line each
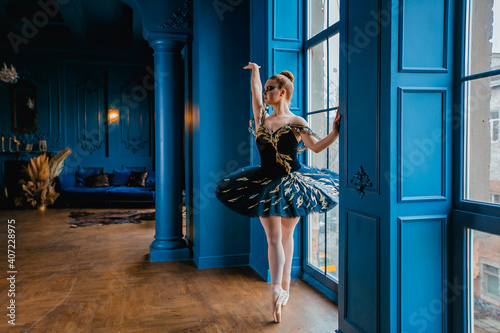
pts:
[281, 185]
[307, 190]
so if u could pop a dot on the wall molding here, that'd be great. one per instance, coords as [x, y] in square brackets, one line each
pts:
[402, 67]
[297, 32]
[297, 75]
[400, 132]
[134, 143]
[223, 261]
[54, 139]
[180, 20]
[89, 141]
[376, 275]
[442, 219]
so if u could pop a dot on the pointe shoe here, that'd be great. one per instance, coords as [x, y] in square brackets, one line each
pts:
[277, 306]
[286, 297]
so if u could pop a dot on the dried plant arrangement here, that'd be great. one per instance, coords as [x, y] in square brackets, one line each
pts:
[39, 187]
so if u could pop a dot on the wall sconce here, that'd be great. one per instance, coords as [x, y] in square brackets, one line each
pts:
[113, 115]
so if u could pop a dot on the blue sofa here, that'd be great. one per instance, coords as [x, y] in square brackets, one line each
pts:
[74, 192]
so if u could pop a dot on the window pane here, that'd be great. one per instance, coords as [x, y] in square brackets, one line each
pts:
[484, 282]
[318, 123]
[483, 36]
[482, 162]
[494, 126]
[333, 12]
[333, 70]
[317, 73]
[316, 19]
[332, 243]
[316, 242]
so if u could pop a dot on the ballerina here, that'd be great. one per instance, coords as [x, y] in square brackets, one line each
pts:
[281, 189]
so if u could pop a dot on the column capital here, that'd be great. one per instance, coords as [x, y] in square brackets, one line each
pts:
[166, 41]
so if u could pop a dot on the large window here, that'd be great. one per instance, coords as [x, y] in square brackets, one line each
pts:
[481, 84]
[322, 64]
[478, 200]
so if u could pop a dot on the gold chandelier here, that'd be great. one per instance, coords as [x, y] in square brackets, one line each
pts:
[8, 75]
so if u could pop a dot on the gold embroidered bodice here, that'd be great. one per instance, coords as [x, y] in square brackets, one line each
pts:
[278, 150]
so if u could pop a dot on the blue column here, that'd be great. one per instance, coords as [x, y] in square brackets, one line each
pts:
[168, 243]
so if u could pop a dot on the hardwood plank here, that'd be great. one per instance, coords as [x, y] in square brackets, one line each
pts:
[99, 279]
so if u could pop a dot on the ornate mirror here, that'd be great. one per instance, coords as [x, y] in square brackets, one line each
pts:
[23, 104]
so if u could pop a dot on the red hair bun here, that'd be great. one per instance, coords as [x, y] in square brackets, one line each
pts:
[288, 75]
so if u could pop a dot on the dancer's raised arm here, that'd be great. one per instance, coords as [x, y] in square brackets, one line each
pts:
[319, 145]
[256, 86]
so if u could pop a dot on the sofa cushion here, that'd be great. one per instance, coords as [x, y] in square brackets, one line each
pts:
[78, 193]
[119, 177]
[81, 175]
[137, 179]
[97, 180]
[65, 181]
[151, 180]
[124, 193]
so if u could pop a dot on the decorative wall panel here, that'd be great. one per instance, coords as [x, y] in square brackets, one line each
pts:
[362, 273]
[135, 118]
[286, 20]
[90, 115]
[422, 274]
[423, 36]
[289, 59]
[421, 149]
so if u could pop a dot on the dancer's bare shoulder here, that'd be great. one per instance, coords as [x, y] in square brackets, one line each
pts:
[298, 120]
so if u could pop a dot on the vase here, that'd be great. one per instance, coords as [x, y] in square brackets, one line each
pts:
[42, 208]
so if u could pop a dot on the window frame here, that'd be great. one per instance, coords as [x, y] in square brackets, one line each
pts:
[459, 135]
[467, 215]
[322, 277]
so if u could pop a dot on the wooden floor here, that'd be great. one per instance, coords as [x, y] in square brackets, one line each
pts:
[99, 279]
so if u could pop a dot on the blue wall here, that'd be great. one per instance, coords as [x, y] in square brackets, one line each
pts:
[221, 99]
[74, 92]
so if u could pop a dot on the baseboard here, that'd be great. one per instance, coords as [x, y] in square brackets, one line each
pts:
[260, 268]
[220, 261]
[196, 257]
[320, 287]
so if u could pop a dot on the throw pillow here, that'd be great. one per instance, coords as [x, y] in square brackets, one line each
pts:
[81, 175]
[119, 177]
[137, 179]
[97, 180]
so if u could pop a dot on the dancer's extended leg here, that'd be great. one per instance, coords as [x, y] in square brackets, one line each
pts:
[287, 229]
[276, 257]
[275, 253]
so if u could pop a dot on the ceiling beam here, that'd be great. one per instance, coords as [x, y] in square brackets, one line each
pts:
[74, 16]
